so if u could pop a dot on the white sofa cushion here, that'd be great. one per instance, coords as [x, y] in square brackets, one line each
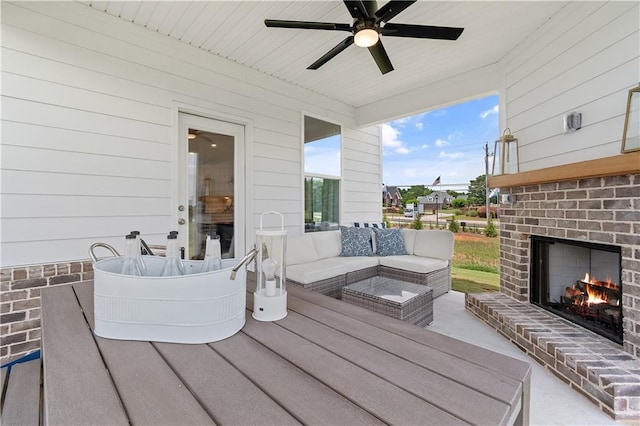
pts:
[327, 243]
[300, 249]
[323, 269]
[435, 244]
[422, 265]
[409, 239]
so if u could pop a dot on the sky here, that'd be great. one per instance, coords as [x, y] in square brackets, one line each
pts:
[448, 142]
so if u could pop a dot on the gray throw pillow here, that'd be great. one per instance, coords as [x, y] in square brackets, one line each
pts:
[389, 242]
[355, 242]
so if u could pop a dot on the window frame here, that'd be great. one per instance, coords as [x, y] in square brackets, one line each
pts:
[305, 175]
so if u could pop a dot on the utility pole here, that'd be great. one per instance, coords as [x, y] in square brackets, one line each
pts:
[486, 181]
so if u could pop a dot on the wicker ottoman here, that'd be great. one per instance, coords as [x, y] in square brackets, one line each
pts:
[398, 299]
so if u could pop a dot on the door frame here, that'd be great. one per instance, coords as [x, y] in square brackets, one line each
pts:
[242, 129]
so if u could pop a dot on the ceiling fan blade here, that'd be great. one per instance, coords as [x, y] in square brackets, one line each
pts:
[307, 25]
[360, 9]
[421, 31]
[381, 57]
[391, 9]
[332, 53]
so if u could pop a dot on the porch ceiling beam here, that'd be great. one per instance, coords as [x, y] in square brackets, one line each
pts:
[450, 90]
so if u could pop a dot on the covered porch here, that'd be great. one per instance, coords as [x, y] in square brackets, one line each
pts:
[93, 91]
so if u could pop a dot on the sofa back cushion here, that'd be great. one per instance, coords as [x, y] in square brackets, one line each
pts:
[327, 243]
[435, 244]
[300, 249]
[355, 241]
[409, 239]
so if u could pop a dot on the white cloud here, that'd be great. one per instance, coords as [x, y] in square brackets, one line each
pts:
[441, 142]
[391, 140]
[419, 125]
[455, 134]
[492, 111]
[450, 155]
[424, 146]
[390, 136]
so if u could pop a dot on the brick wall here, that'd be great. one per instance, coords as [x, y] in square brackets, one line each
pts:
[601, 210]
[20, 302]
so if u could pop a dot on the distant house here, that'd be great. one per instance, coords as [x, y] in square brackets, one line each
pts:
[437, 199]
[391, 196]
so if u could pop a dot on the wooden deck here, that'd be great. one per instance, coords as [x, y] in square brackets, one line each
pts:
[327, 362]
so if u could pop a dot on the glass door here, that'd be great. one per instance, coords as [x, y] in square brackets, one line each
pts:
[210, 193]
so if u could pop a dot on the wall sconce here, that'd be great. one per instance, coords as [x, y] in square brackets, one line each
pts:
[508, 198]
[631, 133]
[270, 297]
[508, 146]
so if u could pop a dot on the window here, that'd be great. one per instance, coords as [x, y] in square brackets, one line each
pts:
[322, 170]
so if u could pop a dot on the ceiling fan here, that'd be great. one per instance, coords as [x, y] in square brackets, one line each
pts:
[367, 27]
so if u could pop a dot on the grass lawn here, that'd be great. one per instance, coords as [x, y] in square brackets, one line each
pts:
[469, 281]
[475, 266]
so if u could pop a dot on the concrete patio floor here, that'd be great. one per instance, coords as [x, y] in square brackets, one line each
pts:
[552, 401]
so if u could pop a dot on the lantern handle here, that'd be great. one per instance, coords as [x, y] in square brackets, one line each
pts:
[507, 136]
[273, 212]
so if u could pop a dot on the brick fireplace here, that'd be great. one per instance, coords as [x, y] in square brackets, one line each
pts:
[593, 212]
[602, 210]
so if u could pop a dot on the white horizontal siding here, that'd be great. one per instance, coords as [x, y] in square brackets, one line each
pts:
[89, 122]
[585, 60]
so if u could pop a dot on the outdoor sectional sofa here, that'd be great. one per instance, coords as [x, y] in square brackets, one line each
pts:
[320, 261]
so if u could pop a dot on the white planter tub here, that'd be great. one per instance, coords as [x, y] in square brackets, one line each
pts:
[193, 308]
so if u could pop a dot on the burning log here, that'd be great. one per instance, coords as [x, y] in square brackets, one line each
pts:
[572, 292]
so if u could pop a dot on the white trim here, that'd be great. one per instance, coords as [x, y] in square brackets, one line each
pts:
[243, 166]
[318, 175]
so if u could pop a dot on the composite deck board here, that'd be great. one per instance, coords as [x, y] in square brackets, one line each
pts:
[308, 399]
[500, 364]
[493, 361]
[449, 395]
[383, 399]
[216, 383]
[151, 392]
[325, 363]
[22, 403]
[444, 365]
[77, 383]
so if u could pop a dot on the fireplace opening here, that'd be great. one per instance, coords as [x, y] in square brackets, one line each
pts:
[579, 281]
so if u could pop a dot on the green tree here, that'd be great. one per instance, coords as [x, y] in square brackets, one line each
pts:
[417, 222]
[410, 195]
[458, 203]
[454, 226]
[477, 191]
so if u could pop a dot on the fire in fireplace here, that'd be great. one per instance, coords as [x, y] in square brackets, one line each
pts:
[560, 285]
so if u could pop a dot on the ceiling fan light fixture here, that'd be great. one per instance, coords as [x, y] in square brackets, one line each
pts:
[366, 37]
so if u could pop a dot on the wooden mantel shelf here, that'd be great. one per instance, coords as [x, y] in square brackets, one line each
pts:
[622, 164]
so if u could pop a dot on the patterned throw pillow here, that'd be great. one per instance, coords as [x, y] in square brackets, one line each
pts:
[389, 242]
[355, 242]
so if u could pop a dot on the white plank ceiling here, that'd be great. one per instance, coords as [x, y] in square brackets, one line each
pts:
[235, 30]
